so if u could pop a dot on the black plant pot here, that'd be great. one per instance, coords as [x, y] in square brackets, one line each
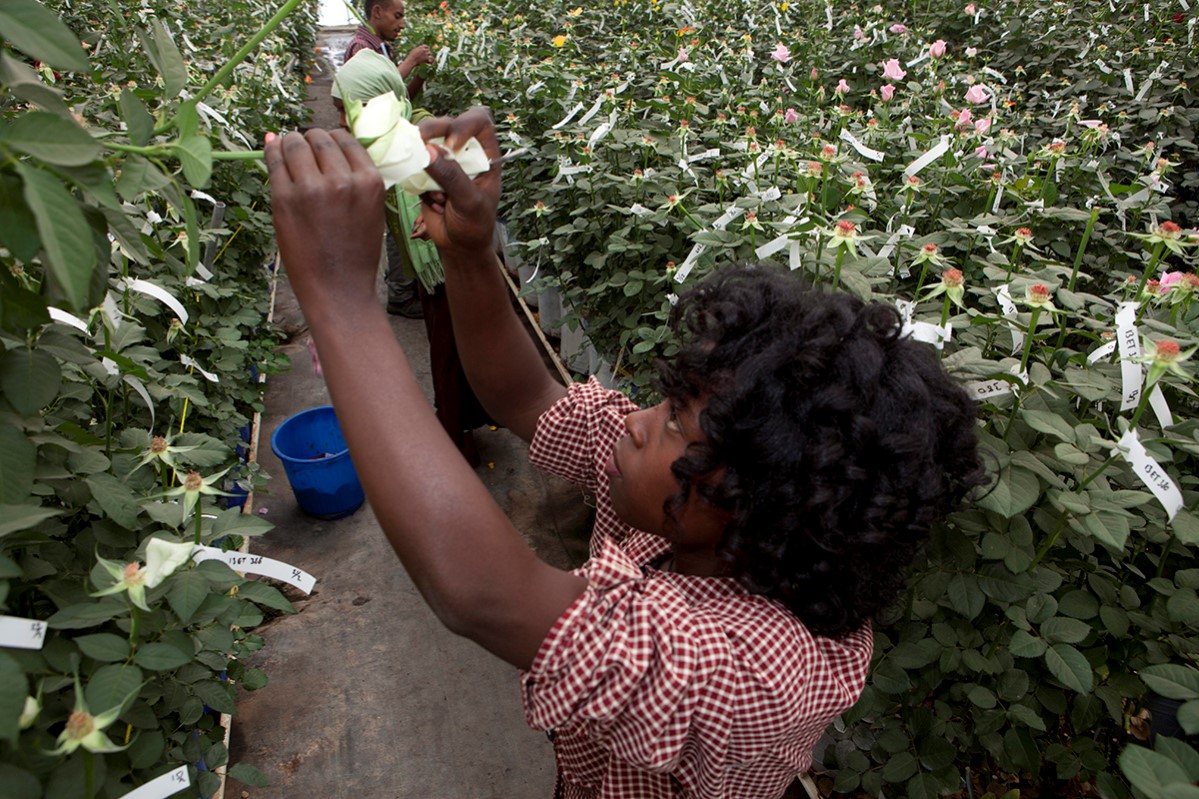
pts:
[1164, 718]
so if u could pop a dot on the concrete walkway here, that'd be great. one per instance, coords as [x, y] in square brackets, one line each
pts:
[369, 697]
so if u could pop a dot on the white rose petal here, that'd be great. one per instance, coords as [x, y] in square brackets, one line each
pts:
[162, 558]
[399, 152]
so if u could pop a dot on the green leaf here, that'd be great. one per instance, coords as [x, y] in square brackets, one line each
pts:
[139, 175]
[1061, 629]
[147, 749]
[112, 685]
[1180, 753]
[216, 695]
[1049, 423]
[37, 31]
[1069, 666]
[15, 518]
[51, 138]
[1172, 681]
[104, 647]
[924, 786]
[1015, 491]
[247, 775]
[23, 82]
[965, 596]
[29, 378]
[234, 522]
[1021, 749]
[115, 498]
[265, 595]
[160, 656]
[138, 121]
[1150, 771]
[1025, 715]
[1183, 607]
[13, 690]
[64, 231]
[17, 458]
[195, 153]
[1188, 716]
[981, 697]
[901, 767]
[1185, 527]
[187, 592]
[87, 614]
[1108, 527]
[18, 229]
[165, 57]
[18, 783]
[253, 679]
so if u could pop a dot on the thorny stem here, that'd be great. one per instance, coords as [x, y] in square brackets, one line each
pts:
[1032, 331]
[1157, 253]
[135, 625]
[837, 269]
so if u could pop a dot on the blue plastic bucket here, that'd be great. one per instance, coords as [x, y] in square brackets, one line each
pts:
[317, 463]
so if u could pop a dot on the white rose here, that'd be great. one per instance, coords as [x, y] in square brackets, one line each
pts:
[396, 147]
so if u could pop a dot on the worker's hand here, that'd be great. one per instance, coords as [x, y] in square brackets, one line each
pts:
[419, 55]
[419, 230]
[460, 219]
[327, 203]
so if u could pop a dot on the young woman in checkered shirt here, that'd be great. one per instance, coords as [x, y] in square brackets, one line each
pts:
[748, 527]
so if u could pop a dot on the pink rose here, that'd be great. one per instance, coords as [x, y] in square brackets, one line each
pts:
[977, 94]
[898, 27]
[887, 92]
[970, 10]
[682, 55]
[937, 48]
[791, 116]
[981, 152]
[983, 126]
[781, 53]
[842, 87]
[964, 118]
[858, 33]
[893, 71]
[813, 75]
[1171, 278]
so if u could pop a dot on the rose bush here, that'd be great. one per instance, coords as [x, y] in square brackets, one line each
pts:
[135, 246]
[1021, 179]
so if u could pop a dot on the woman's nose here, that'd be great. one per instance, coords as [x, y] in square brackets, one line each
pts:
[637, 425]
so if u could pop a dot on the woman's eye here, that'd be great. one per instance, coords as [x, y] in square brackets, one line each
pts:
[673, 422]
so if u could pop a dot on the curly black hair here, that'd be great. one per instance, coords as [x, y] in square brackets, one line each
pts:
[833, 442]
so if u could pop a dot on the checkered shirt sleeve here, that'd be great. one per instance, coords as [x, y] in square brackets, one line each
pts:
[660, 685]
[576, 435]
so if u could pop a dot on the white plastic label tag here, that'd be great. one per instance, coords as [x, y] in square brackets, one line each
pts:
[257, 564]
[1009, 312]
[1151, 473]
[936, 152]
[161, 787]
[19, 633]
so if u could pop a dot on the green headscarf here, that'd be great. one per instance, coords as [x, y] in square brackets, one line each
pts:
[366, 76]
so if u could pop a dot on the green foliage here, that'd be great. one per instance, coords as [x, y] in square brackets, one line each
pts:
[132, 337]
[1044, 614]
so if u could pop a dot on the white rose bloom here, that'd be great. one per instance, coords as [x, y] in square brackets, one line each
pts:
[396, 147]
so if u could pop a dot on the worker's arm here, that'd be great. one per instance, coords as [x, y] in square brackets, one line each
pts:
[463, 554]
[501, 361]
[419, 55]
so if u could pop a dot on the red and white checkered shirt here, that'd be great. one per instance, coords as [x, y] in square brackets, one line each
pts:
[659, 685]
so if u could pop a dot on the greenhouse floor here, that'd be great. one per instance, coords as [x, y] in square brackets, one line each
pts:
[369, 696]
